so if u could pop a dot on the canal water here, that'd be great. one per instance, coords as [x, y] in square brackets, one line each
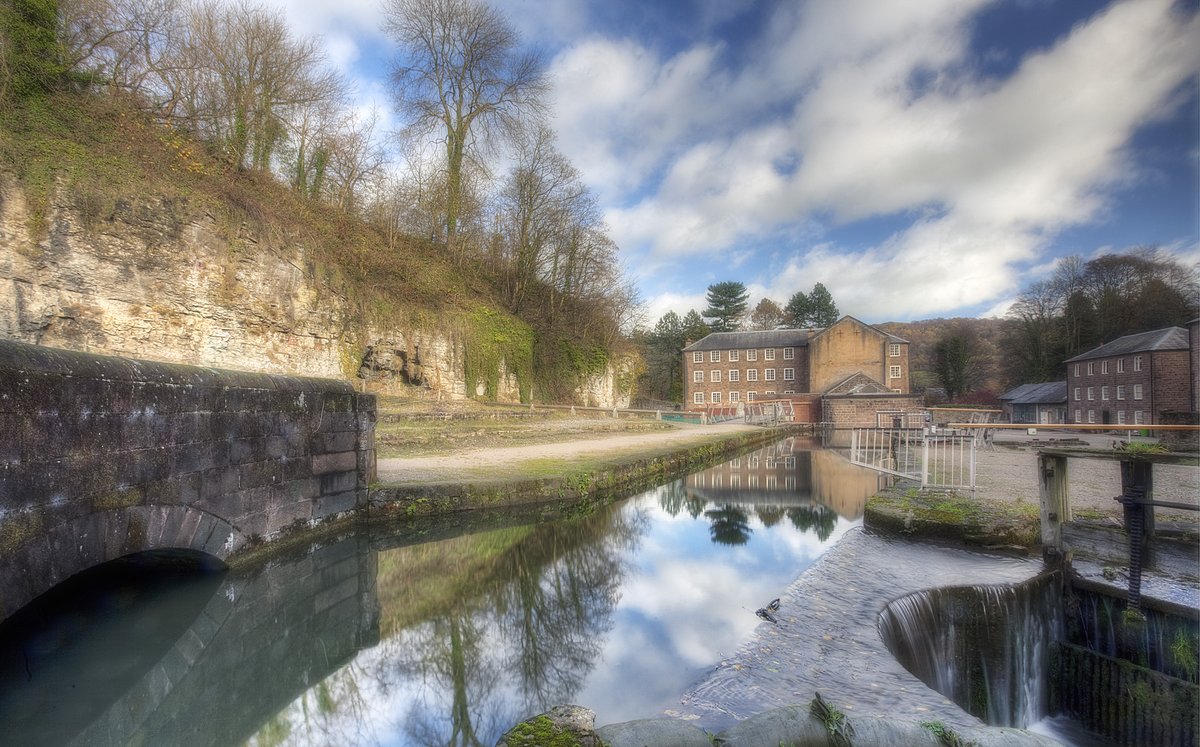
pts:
[430, 633]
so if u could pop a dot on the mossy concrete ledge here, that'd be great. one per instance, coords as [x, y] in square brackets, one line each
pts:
[906, 511]
[795, 726]
[605, 480]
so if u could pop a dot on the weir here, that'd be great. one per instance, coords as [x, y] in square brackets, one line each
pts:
[986, 647]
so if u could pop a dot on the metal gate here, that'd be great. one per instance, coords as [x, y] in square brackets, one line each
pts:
[937, 460]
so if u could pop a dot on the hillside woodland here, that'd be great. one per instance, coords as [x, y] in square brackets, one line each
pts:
[199, 116]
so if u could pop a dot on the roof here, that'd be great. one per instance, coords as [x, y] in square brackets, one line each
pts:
[772, 338]
[1170, 338]
[1050, 392]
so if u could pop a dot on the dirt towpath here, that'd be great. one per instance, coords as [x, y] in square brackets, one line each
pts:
[539, 460]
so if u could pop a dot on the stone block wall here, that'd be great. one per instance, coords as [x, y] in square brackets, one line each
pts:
[102, 457]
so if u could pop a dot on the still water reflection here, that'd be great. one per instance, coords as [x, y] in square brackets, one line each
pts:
[427, 636]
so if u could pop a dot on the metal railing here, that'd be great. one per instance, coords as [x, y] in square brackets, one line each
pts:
[936, 460]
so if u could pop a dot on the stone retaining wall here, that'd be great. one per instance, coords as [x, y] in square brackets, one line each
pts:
[101, 457]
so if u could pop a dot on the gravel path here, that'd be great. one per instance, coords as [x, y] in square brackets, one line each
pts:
[495, 461]
[1008, 471]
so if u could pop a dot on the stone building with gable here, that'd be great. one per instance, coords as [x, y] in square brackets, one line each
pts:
[849, 373]
[1133, 380]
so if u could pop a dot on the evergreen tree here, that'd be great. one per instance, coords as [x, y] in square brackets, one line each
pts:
[823, 312]
[726, 305]
[797, 311]
[694, 327]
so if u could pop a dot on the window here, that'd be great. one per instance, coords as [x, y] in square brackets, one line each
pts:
[1120, 417]
[697, 357]
[1120, 365]
[1091, 393]
[893, 372]
[1091, 416]
[698, 398]
[769, 354]
[715, 376]
[1103, 367]
[733, 356]
[735, 396]
[789, 354]
[1120, 391]
[735, 374]
[789, 374]
[1076, 369]
[698, 377]
[714, 356]
[1137, 363]
[751, 355]
[769, 374]
[1091, 368]
[1076, 394]
[750, 396]
[1103, 392]
[893, 350]
[769, 394]
[1139, 418]
[751, 374]
[1137, 391]
[716, 398]
[1078, 416]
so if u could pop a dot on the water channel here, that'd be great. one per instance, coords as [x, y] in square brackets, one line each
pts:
[429, 633]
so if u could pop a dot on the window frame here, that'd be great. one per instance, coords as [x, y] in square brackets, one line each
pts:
[789, 354]
[734, 374]
[768, 374]
[698, 376]
[697, 356]
[751, 374]
[893, 350]
[714, 356]
[894, 372]
[769, 354]
[733, 356]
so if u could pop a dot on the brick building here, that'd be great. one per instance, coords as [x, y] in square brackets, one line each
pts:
[847, 359]
[1132, 380]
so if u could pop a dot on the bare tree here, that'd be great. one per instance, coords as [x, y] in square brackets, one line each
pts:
[766, 315]
[461, 74]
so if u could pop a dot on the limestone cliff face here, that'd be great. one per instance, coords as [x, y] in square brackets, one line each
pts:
[161, 280]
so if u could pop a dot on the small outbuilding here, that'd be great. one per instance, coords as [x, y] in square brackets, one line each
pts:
[1042, 404]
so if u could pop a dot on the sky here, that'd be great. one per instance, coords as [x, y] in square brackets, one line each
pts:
[920, 158]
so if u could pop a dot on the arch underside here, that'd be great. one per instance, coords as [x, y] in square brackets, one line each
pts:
[86, 541]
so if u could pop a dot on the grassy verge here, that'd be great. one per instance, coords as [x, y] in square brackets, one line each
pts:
[909, 512]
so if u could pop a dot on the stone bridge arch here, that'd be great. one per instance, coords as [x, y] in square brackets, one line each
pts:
[102, 457]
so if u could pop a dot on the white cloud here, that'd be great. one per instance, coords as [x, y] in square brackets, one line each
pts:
[1002, 164]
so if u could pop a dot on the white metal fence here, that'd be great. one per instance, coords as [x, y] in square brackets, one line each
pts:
[939, 460]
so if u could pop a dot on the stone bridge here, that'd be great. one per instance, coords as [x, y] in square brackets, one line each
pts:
[101, 457]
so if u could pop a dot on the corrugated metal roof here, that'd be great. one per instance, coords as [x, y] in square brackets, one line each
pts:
[1050, 392]
[1171, 338]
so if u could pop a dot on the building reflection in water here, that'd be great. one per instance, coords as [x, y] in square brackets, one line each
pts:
[793, 473]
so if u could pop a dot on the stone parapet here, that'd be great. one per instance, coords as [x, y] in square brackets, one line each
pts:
[103, 456]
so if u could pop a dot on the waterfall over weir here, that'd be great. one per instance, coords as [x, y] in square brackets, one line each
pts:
[985, 647]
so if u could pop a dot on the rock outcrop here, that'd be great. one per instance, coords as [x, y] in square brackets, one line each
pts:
[163, 279]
